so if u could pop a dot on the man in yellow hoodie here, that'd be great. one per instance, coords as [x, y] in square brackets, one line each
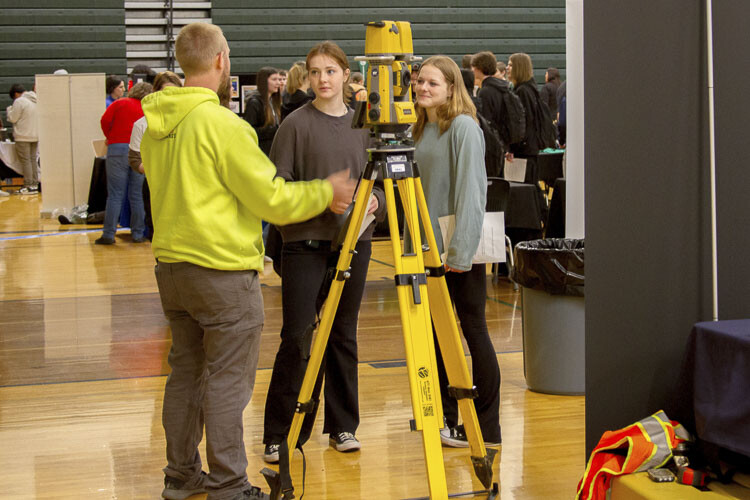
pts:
[210, 187]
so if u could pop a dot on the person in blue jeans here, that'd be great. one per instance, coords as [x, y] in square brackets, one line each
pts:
[117, 125]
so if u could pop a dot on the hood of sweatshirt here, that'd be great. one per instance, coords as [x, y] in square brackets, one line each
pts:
[495, 82]
[30, 95]
[164, 110]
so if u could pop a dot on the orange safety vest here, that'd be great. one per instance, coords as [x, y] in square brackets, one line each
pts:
[638, 447]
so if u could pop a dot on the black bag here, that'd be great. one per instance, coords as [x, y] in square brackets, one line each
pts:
[514, 127]
[494, 148]
[546, 132]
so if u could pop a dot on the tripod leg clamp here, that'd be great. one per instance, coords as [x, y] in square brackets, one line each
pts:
[461, 393]
[413, 280]
[310, 406]
[435, 272]
[343, 275]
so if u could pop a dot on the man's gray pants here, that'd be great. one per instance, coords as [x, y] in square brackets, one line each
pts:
[216, 319]
[27, 152]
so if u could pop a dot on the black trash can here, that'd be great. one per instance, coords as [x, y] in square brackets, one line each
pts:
[551, 274]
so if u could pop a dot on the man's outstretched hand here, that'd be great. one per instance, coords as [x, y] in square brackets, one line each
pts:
[343, 190]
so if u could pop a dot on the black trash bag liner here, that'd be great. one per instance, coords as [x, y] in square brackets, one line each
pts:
[553, 265]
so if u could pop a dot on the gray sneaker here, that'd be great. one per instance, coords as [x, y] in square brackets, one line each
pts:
[29, 190]
[252, 493]
[174, 489]
[455, 437]
[271, 453]
[344, 441]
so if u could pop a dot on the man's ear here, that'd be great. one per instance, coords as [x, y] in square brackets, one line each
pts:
[219, 61]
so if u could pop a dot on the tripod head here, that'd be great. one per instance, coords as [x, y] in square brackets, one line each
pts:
[389, 110]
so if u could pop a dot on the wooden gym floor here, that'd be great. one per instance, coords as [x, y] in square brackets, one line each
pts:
[83, 347]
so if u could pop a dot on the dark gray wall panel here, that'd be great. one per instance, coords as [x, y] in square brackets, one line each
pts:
[39, 66]
[46, 35]
[57, 17]
[363, 15]
[390, 4]
[57, 4]
[278, 33]
[647, 215]
[426, 31]
[59, 33]
[56, 50]
[733, 171]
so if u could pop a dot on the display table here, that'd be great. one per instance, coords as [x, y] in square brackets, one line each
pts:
[523, 219]
[550, 165]
[718, 358]
[9, 157]
[98, 187]
[556, 219]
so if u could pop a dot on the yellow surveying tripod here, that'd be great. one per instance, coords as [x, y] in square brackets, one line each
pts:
[420, 275]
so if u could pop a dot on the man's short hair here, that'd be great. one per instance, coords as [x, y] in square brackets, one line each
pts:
[501, 67]
[196, 47]
[466, 61]
[485, 62]
[357, 77]
[16, 88]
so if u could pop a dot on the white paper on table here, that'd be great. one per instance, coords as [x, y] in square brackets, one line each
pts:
[515, 170]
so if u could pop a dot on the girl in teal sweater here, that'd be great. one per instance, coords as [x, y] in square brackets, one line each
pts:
[450, 154]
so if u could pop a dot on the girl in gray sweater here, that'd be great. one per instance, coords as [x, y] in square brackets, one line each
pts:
[313, 142]
[450, 155]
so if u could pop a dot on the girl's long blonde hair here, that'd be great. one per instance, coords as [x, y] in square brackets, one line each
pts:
[459, 103]
[296, 77]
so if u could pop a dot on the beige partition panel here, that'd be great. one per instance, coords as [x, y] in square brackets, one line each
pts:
[69, 109]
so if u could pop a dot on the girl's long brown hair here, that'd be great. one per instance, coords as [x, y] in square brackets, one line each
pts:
[522, 70]
[275, 99]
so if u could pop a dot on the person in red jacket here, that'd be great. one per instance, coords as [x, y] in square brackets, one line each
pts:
[117, 124]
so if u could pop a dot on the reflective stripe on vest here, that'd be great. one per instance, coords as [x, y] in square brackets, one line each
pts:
[637, 447]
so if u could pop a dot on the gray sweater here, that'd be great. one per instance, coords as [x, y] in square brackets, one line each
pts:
[312, 145]
[455, 183]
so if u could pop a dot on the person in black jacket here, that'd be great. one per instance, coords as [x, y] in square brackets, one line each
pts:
[297, 90]
[484, 66]
[263, 110]
[490, 94]
[524, 86]
[548, 93]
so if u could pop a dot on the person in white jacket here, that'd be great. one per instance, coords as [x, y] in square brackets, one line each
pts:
[22, 114]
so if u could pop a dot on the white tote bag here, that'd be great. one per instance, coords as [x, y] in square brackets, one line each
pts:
[491, 244]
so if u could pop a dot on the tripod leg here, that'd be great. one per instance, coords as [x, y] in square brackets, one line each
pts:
[452, 350]
[305, 404]
[418, 340]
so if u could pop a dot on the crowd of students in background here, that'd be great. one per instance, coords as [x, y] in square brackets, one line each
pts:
[302, 120]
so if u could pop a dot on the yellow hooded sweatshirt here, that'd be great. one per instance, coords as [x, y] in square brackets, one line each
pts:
[211, 185]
